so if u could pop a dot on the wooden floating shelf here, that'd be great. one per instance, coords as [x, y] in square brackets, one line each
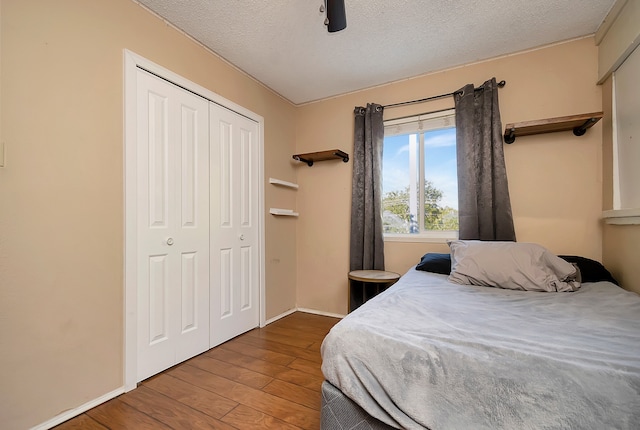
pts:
[332, 154]
[578, 123]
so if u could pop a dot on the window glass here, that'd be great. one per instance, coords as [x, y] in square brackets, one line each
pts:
[441, 179]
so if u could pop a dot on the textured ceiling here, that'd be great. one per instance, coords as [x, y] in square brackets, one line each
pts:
[285, 45]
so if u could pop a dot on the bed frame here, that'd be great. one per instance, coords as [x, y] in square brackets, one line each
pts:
[340, 413]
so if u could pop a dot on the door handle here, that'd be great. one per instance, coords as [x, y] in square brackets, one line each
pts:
[241, 237]
[170, 241]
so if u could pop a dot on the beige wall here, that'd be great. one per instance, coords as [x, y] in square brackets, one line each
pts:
[621, 243]
[621, 253]
[61, 193]
[555, 179]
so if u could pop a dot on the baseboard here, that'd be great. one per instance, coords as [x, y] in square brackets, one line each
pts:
[67, 415]
[305, 310]
[277, 317]
[322, 313]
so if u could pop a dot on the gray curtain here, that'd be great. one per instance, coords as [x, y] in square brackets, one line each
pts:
[367, 245]
[484, 207]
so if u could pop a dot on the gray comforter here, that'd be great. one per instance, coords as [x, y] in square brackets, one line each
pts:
[430, 353]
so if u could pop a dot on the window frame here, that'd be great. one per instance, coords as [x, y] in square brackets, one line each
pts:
[419, 124]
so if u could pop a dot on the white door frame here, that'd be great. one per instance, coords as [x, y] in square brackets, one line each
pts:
[133, 61]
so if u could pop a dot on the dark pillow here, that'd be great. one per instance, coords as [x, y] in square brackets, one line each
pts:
[435, 263]
[590, 270]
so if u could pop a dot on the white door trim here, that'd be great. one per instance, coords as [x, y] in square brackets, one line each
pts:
[133, 61]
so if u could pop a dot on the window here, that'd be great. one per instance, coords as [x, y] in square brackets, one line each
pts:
[626, 153]
[419, 177]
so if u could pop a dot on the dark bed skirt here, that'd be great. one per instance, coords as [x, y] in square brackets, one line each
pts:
[339, 412]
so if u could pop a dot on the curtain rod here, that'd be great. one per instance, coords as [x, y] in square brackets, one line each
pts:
[441, 96]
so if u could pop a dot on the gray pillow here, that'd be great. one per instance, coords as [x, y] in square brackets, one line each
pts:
[511, 265]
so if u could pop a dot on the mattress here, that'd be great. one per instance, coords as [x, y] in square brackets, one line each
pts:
[428, 353]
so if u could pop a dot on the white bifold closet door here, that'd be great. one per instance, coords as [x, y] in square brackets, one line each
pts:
[173, 224]
[234, 224]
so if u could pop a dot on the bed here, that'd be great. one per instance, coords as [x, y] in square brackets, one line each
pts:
[436, 354]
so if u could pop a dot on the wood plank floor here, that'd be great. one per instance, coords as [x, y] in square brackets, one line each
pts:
[267, 378]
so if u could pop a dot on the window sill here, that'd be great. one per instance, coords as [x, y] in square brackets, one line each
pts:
[442, 237]
[622, 216]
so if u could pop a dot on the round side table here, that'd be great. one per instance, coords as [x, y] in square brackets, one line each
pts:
[366, 284]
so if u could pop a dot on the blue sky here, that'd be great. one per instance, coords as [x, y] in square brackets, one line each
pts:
[440, 163]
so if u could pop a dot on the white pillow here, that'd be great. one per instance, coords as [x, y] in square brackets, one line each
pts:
[511, 265]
